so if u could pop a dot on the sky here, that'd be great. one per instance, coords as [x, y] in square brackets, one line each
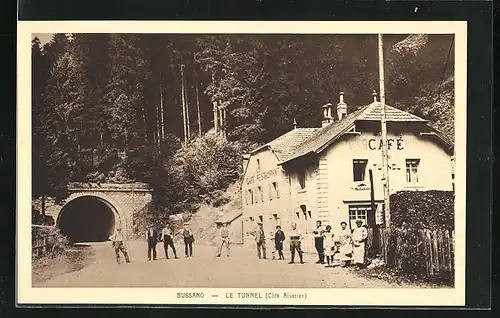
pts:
[43, 37]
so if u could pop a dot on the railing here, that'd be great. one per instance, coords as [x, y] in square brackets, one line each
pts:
[42, 243]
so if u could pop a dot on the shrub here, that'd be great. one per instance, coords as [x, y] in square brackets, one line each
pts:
[412, 211]
[56, 243]
[432, 209]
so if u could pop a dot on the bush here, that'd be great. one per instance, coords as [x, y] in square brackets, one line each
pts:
[432, 209]
[198, 172]
[57, 242]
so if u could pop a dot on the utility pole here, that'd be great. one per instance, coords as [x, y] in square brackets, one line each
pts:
[183, 104]
[383, 122]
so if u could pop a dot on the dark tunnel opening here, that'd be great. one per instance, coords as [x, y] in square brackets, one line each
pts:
[87, 219]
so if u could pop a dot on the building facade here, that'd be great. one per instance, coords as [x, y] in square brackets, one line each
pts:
[311, 174]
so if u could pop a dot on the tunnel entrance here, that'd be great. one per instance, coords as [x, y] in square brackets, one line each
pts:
[87, 219]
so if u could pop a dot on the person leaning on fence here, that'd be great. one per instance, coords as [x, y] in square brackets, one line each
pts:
[295, 240]
[168, 240]
[119, 245]
[224, 241]
[345, 244]
[359, 235]
[187, 235]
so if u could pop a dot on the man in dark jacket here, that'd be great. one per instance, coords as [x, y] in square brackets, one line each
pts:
[279, 237]
[152, 239]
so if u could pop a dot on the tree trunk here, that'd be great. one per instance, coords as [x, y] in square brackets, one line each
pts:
[43, 206]
[198, 110]
[183, 104]
[162, 118]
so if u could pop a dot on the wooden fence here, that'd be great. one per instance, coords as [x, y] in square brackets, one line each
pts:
[42, 241]
[434, 248]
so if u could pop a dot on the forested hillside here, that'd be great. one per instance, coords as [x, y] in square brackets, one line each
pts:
[108, 107]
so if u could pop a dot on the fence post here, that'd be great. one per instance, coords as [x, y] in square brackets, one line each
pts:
[429, 247]
[442, 260]
[435, 248]
[448, 250]
[44, 248]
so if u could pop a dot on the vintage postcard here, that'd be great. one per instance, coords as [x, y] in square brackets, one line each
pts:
[241, 163]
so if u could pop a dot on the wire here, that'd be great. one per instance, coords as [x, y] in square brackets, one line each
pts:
[445, 66]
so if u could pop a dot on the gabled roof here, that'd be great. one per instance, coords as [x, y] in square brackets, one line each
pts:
[323, 137]
[374, 112]
[284, 145]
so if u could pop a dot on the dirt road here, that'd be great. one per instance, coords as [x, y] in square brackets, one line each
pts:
[241, 269]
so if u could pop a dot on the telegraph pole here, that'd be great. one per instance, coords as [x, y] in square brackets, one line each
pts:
[383, 122]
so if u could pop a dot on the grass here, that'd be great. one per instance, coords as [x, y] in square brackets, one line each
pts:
[70, 260]
[399, 277]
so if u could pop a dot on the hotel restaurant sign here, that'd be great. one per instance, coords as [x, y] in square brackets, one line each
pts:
[261, 176]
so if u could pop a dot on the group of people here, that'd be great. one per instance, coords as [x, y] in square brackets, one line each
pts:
[166, 236]
[349, 245]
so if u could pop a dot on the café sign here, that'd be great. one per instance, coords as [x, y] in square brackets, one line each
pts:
[376, 144]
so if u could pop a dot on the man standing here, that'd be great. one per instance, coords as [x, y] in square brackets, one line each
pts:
[187, 235]
[260, 240]
[168, 240]
[359, 235]
[295, 239]
[119, 244]
[152, 239]
[224, 240]
[319, 242]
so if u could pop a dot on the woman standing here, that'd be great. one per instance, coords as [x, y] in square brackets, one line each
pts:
[279, 237]
[345, 241]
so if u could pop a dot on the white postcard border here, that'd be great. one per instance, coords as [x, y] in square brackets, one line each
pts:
[26, 294]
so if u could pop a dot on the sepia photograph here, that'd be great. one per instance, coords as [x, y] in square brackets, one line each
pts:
[261, 164]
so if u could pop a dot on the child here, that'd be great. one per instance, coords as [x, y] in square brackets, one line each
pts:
[329, 246]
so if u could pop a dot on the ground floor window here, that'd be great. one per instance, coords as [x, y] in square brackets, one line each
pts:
[359, 212]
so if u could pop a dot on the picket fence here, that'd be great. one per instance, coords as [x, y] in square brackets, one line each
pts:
[437, 246]
[42, 243]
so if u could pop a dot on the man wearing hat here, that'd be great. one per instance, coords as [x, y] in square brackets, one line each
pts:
[359, 235]
[224, 240]
[187, 235]
[260, 240]
[119, 244]
[152, 239]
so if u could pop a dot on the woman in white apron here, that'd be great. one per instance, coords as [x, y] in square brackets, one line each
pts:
[345, 244]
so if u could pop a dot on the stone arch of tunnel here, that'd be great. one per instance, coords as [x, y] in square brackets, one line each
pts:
[88, 219]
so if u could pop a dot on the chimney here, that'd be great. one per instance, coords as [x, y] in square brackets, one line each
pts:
[327, 115]
[341, 107]
[294, 124]
[374, 96]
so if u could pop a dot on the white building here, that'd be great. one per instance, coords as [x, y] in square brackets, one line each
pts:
[311, 174]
